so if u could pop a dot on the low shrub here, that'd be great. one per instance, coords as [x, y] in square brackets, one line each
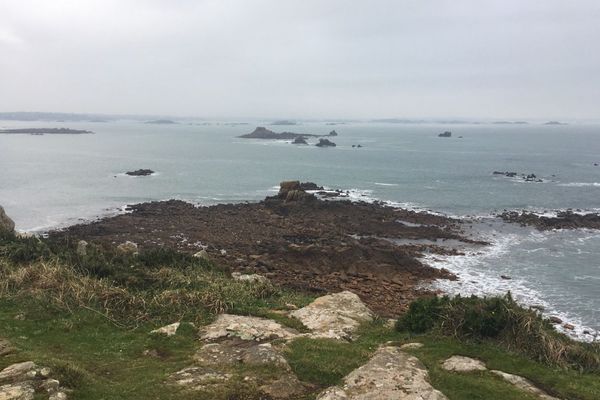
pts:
[503, 320]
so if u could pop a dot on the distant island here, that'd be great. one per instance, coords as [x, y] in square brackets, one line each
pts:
[44, 131]
[161, 122]
[510, 122]
[284, 122]
[555, 123]
[445, 134]
[140, 172]
[263, 133]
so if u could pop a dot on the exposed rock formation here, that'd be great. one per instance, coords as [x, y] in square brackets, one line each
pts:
[26, 381]
[463, 364]
[389, 374]
[246, 328]
[252, 278]
[140, 172]
[300, 140]
[6, 224]
[445, 134]
[168, 330]
[523, 384]
[128, 248]
[563, 220]
[325, 143]
[335, 316]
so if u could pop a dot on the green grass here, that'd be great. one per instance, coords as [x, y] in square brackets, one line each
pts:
[89, 319]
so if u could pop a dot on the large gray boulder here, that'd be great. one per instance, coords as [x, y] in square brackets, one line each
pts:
[6, 224]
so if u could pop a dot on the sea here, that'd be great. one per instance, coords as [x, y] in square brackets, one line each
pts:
[51, 181]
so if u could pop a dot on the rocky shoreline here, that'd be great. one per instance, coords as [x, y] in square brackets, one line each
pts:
[296, 240]
[563, 220]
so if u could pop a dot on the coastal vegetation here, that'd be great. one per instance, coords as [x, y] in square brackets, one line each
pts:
[87, 312]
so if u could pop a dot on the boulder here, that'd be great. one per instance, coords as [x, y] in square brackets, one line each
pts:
[389, 374]
[128, 247]
[6, 224]
[5, 347]
[202, 254]
[463, 364]
[555, 320]
[168, 330]
[252, 278]
[199, 378]
[18, 372]
[411, 346]
[246, 328]
[82, 248]
[236, 352]
[17, 391]
[335, 316]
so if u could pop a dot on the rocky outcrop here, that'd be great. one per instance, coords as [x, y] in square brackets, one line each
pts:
[292, 191]
[300, 140]
[463, 364]
[236, 351]
[251, 278]
[523, 384]
[140, 172]
[325, 143]
[335, 316]
[82, 246]
[445, 134]
[26, 381]
[389, 374]
[246, 328]
[6, 224]
[562, 220]
[263, 133]
[524, 177]
[333, 133]
[128, 247]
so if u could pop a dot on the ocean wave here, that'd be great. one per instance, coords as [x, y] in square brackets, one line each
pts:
[385, 184]
[580, 184]
[474, 278]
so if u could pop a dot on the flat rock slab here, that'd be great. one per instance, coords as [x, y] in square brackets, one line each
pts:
[411, 346]
[463, 364]
[17, 391]
[246, 328]
[199, 378]
[390, 374]
[523, 384]
[235, 352]
[20, 371]
[335, 316]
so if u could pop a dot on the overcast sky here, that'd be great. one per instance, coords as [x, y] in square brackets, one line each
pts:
[303, 58]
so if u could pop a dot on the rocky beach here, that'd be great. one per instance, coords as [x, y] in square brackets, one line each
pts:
[297, 240]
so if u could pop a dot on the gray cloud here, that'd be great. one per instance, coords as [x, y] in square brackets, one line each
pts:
[309, 58]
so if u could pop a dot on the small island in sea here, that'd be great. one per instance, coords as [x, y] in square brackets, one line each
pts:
[44, 131]
[161, 122]
[263, 133]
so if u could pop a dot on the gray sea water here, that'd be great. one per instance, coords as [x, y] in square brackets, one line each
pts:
[54, 180]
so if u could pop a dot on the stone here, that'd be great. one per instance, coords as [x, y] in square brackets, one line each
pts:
[253, 278]
[140, 172]
[128, 248]
[246, 328]
[569, 326]
[82, 248]
[236, 351]
[286, 387]
[390, 374]
[58, 396]
[50, 385]
[199, 378]
[168, 330]
[463, 364]
[411, 346]
[17, 391]
[5, 347]
[6, 224]
[555, 320]
[202, 254]
[335, 316]
[325, 143]
[523, 384]
[18, 371]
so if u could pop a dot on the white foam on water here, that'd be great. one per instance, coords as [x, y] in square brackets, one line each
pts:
[580, 184]
[385, 184]
[479, 272]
